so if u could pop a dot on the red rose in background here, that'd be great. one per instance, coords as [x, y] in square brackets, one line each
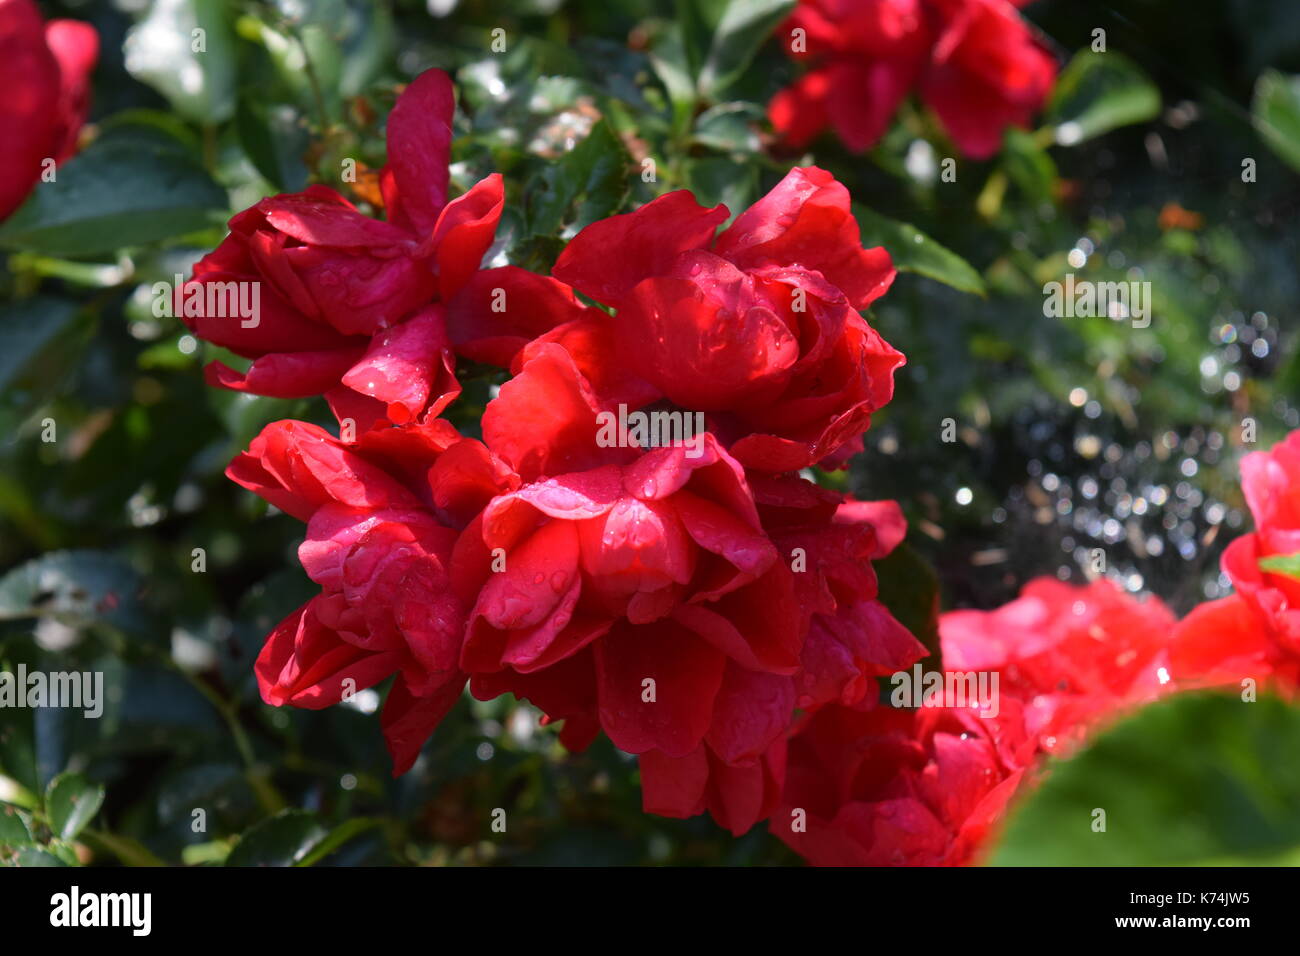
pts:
[898, 787]
[1067, 657]
[975, 62]
[45, 73]
[1255, 632]
[757, 327]
[383, 517]
[866, 56]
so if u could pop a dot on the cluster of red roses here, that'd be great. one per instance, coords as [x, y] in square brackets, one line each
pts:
[684, 597]
[698, 600]
[45, 72]
[976, 63]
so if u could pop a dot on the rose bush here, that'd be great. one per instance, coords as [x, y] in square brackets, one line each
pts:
[583, 408]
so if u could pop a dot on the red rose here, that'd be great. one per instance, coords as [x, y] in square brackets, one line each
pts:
[647, 593]
[1256, 632]
[1071, 657]
[867, 55]
[887, 787]
[975, 62]
[852, 638]
[986, 72]
[652, 565]
[347, 305]
[45, 72]
[758, 328]
[383, 517]
[927, 786]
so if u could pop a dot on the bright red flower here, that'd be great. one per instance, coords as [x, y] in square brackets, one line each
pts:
[45, 73]
[850, 638]
[1067, 657]
[358, 309]
[1254, 633]
[383, 517]
[639, 592]
[888, 787]
[975, 62]
[758, 327]
[926, 787]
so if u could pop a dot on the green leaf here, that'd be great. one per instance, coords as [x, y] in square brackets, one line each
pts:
[1288, 564]
[15, 828]
[586, 184]
[41, 340]
[914, 251]
[1275, 112]
[71, 802]
[1098, 92]
[669, 58]
[337, 837]
[282, 840]
[1195, 777]
[717, 179]
[160, 52]
[1029, 165]
[121, 191]
[742, 29]
[729, 127]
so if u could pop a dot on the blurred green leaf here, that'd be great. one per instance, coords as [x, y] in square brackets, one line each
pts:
[1192, 778]
[15, 828]
[729, 127]
[1029, 165]
[1275, 111]
[1288, 564]
[340, 835]
[1098, 92]
[741, 30]
[914, 251]
[282, 840]
[78, 587]
[32, 856]
[121, 191]
[41, 341]
[71, 802]
[185, 49]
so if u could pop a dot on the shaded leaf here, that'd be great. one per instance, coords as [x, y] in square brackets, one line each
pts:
[1098, 92]
[282, 840]
[122, 191]
[742, 29]
[15, 828]
[1275, 111]
[71, 802]
[914, 251]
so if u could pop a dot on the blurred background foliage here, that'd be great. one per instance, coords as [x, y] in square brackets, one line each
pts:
[1069, 434]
